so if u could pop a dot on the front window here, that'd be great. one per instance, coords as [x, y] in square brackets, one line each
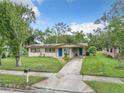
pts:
[49, 50]
[52, 50]
[35, 50]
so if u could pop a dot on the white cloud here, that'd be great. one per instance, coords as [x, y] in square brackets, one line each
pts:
[86, 27]
[30, 5]
[40, 1]
[37, 12]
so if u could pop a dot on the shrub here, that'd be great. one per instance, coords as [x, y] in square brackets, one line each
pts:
[92, 50]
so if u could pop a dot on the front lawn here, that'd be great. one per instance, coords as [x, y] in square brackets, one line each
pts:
[101, 65]
[102, 87]
[43, 64]
[18, 80]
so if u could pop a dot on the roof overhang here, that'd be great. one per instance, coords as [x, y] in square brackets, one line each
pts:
[58, 45]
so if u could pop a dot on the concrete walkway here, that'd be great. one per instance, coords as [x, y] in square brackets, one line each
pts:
[103, 79]
[8, 91]
[40, 74]
[67, 80]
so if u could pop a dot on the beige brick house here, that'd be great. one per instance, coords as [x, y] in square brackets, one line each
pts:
[57, 50]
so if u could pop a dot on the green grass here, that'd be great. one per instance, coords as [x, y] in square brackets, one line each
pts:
[101, 65]
[102, 87]
[42, 64]
[18, 80]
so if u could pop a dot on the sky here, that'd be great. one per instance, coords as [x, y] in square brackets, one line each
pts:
[79, 14]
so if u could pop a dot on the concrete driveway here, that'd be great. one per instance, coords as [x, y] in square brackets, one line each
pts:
[68, 79]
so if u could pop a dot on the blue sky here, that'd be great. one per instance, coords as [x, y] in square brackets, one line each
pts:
[73, 12]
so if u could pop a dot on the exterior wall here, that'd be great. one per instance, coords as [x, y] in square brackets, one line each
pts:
[41, 53]
[70, 53]
[31, 54]
[84, 51]
[78, 52]
[62, 53]
[56, 55]
[51, 55]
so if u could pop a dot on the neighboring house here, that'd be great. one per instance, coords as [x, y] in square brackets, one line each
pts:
[58, 50]
[113, 52]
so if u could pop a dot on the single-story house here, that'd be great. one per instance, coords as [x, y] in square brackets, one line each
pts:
[57, 50]
[113, 52]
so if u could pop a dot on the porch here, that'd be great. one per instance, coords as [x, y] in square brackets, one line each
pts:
[77, 52]
[71, 52]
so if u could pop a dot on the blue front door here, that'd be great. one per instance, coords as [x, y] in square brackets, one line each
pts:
[80, 51]
[60, 52]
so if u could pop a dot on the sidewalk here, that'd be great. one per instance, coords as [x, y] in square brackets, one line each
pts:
[104, 79]
[8, 91]
[40, 74]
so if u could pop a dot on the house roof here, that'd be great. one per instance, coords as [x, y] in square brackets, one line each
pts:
[74, 45]
[57, 45]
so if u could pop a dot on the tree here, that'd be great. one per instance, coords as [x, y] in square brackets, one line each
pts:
[111, 20]
[64, 36]
[60, 29]
[47, 32]
[31, 39]
[19, 19]
[79, 36]
[2, 44]
[114, 31]
[97, 39]
[4, 20]
[117, 28]
[35, 36]
[39, 36]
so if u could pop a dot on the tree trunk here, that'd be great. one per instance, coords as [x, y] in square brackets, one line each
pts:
[18, 56]
[18, 60]
[0, 60]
